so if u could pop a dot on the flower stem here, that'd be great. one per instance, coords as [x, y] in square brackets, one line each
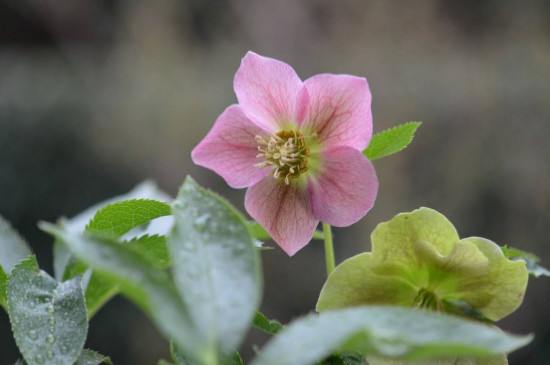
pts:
[329, 249]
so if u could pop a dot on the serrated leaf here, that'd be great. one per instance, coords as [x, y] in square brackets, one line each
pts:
[531, 261]
[148, 287]
[89, 357]
[391, 140]
[13, 248]
[118, 218]
[48, 318]
[389, 332]
[152, 248]
[216, 268]
[268, 326]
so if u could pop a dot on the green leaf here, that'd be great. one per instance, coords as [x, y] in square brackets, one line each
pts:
[164, 362]
[152, 248]
[531, 261]
[148, 287]
[13, 248]
[391, 140]
[177, 355]
[3, 295]
[389, 332]
[268, 326]
[216, 267]
[259, 233]
[89, 357]
[48, 318]
[118, 218]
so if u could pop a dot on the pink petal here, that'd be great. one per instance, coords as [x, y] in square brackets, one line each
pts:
[337, 108]
[230, 149]
[284, 211]
[266, 90]
[345, 189]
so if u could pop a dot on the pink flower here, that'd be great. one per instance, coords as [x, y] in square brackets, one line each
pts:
[297, 146]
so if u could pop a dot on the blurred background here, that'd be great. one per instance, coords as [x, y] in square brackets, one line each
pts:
[99, 95]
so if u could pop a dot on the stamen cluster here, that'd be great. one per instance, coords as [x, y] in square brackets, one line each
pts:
[287, 152]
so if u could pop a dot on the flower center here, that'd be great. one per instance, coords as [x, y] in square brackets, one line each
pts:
[287, 152]
[426, 299]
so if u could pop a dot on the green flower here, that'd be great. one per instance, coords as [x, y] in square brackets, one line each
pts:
[418, 260]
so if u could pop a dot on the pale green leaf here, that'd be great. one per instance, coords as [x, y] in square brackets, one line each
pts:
[389, 332]
[216, 267]
[150, 288]
[48, 318]
[391, 140]
[13, 248]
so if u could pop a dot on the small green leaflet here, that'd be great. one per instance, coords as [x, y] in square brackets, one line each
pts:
[271, 327]
[391, 140]
[531, 261]
[389, 332]
[48, 318]
[87, 357]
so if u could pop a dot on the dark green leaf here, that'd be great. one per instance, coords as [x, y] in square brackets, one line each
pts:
[48, 318]
[118, 218]
[268, 326]
[216, 267]
[389, 332]
[89, 357]
[391, 140]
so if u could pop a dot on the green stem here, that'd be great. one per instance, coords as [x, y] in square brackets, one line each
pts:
[329, 249]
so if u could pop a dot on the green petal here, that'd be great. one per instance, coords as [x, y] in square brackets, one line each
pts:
[394, 240]
[500, 291]
[354, 282]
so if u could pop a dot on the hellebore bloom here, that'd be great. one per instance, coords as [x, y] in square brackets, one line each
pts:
[297, 146]
[418, 260]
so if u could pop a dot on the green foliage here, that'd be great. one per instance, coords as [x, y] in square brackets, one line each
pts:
[13, 249]
[150, 288]
[118, 218]
[532, 261]
[389, 332]
[112, 221]
[391, 140]
[48, 318]
[216, 268]
[268, 326]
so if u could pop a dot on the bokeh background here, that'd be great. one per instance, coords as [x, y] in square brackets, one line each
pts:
[99, 95]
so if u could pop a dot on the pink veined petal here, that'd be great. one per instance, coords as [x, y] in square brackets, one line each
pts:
[266, 90]
[338, 109]
[284, 211]
[230, 149]
[345, 189]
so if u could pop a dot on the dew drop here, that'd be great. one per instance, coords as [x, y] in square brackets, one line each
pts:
[200, 222]
[49, 355]
[33, 334]
[51, 321]
[63, 349]
[50, 338]
[50, 309]
[39, 359]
